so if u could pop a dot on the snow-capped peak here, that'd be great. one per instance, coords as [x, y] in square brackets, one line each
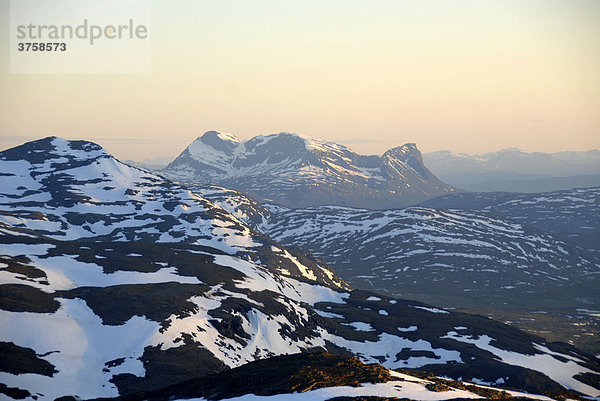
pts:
[209, 136]
[56, 150]
[296, 171]
[217, 141]
[406, 150]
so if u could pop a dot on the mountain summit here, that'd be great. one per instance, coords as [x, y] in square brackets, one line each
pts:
[296, 171]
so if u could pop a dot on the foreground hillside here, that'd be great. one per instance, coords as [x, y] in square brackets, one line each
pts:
[115, 281]
[298, 172]
[323, 376]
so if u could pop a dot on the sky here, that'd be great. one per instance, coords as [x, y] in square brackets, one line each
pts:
[469, 76]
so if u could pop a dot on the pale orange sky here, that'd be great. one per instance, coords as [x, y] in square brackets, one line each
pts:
[468, 76]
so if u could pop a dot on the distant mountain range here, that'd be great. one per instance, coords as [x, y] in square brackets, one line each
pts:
[295, 171]
[516, 171]
[156, 163]
[117, 282]
[527, 185]
[507, 170]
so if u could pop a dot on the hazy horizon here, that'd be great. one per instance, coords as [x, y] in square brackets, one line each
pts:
[12, 141]
[469, 77]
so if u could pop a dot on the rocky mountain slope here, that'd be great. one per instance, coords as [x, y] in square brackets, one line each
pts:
[297, 172]
[445, 251]
[573, 215]
[537, 262]
[323, 376]
[75, 190]
[114, 281]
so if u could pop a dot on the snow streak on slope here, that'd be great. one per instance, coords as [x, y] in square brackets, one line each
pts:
[562, 370]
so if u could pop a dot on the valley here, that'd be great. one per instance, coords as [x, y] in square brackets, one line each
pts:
[502, 255]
